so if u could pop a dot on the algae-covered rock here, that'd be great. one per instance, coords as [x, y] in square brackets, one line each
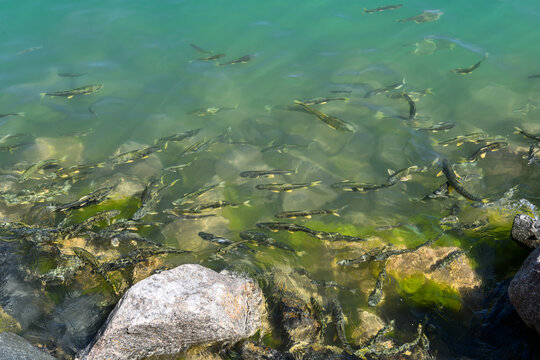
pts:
[368, 325]
[177, 309]
[8, 323]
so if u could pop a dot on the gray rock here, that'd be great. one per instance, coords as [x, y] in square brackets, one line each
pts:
[14, 347]
[170, 312]
[526, 231]
[524, 290]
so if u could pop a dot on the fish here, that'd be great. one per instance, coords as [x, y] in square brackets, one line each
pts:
[281, 187]
[30, 49]
[239, 244]
[453, 182]
[317, 101]
[254, 174]
[65, 74]
[382, 8]
[412, 106]
[481, 153]
[276, 226]
[216, 205]
[241, 60]
[319, 312]
[178, 168]
[199, 49]
[188, 197]
[12, 114]
[527, 134]
[210, 58]
[476, 138]
[391, 87]
[532, 154]
[425, 16]
[441, 192]
[37, 167]
[90, 260]
[178, 137]
[341, 91]
[84, 90]
[133, 155]
[376, 294]
[447, 260]
[137, 256]
[282, 148]
[359, 187]
[304, 213]
[403, 174]
[214, 239]
[332, 121]
[150, 198]
[339, 323]
[181, 214]
[534, 76]
[72, 230]
[262, 239]
[12, 148]
[442, 126]
[95, 197]
[470, 69]
[212, 110]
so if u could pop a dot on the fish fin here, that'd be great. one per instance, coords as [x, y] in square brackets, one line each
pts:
[379, 115]
[459, 143]
[247, 203]
[69, 97]
[288, 190]
[270, 176]
[42, 95]
[346, 99]
[308, 216]
[21, 113]
[315, 183]
[440, 173]
[276, 191]
[390, 171]
[450, 188]
[483, 155]
[298, 102]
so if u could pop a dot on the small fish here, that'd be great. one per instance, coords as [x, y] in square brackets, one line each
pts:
[178, 168]
[476, 138]
[12, 114]
[149, 199]
[532, 154]
[276, 226]
[73, 230]
[199, 49]
[341, 91]
[359, 187]
[214, 239]
[181, 214]
[241, 60]
[391, 87]
[470, 69]
[178, 137]
[447, 260]
[453, 182]
[527, 134]
[535, 76]
[30, 49]
[382, 8]
[319, 312]
[133, 155]
[481, 153]
[37, 167]
[64, 74]
[332, 121]
[216, 205]
[339, 323]
[210, 58]
[78, 134]
[90, 260]
[277, 187]
[441, 192]
[306, 214]
[425, 16]
[85, 90]
[12, 148]
[94, 197]
[254, 174]
[375, 296]
[404, 174]
[442, 126]
[188, 197]
[317, 101]
[262, 239]
[282, 148]
[212, 110]
[412, 106]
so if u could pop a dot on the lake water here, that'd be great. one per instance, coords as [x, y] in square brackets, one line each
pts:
[474, 65]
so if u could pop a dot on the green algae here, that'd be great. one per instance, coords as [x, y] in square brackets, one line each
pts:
[421, 291]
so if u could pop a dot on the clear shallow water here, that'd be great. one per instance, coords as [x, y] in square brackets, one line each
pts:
[141, 54]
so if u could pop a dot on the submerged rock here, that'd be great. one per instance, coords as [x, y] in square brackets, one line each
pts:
[526, 231]
[8, 323]
[177, 309]
[14, 347]
[524, 290]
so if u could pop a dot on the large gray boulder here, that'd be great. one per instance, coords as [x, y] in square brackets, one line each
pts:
[526, 231]
[170, 312]
[524, 290]
[14, 347]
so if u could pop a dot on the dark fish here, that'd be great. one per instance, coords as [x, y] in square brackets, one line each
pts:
[470, 69]
[359, 187]
[210, 58]
[442, 126]
[375, 296]
[188, 197]
[136, 256]
[11, 114]
[12, 148]
[71, 74]
[283, 148]
[276, 226]
[214, 239]
[319, 312]
[403, 174]
[306, 214]
[72, 230]
[262, 239]
[199, 49]
[316, 101]
[341, 91]
[476, 138]
[275, 187]
[447, 260]
[85, 90]
[94, 197]
[382, 8]
[527, 134]
[391, 87]
[149, 200]
[425, 16]
[339, 323]
[134, 155]
[90, 260]
[535, 76]
[212, 110]
[481, 153]
[178, 168]
[441, 192]
[241, 60]
[216, 205]
[332, 121]
[178, 137]
[412, 106]
[454, 182]
[37, 167]
[253, 174]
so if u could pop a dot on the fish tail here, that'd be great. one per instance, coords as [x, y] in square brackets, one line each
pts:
[42, 95]
[247, 203]
[101, 164]
[313, 183]
[21, 113]
[346, 99]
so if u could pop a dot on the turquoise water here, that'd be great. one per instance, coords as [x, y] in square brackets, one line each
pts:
[140, 52]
